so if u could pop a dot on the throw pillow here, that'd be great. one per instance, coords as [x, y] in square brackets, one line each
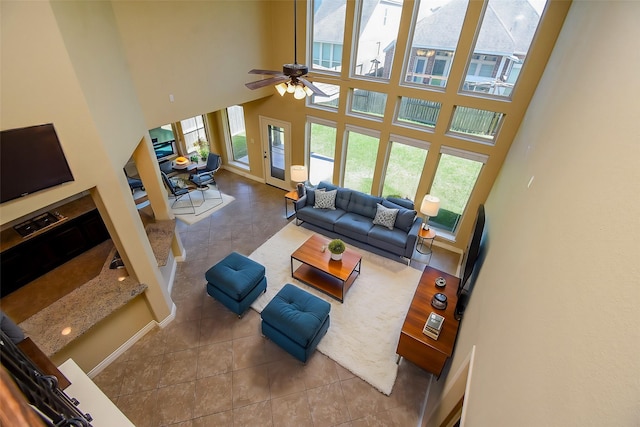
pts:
[326, 200]
[385, 216]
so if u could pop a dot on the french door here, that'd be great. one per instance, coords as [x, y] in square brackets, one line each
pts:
[276, 147]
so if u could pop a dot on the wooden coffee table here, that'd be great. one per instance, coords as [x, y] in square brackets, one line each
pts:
[319, 271]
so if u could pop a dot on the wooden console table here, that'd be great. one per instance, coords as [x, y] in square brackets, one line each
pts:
[416, 347]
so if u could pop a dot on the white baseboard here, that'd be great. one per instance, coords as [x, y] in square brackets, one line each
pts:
[165, 322]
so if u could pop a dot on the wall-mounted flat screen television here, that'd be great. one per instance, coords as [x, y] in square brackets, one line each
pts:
[31, 159]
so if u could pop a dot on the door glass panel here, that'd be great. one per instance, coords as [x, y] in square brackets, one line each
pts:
[276, 152]
[360, 162]
[403, 172]
[322, 147]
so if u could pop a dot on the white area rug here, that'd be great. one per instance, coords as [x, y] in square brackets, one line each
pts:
[364, 330]
[205, 203]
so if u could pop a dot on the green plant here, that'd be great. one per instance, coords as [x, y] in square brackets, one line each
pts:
[336, 246]
[202, 147]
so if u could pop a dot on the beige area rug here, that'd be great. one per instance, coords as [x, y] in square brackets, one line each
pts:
[205, 204]
[364, 330]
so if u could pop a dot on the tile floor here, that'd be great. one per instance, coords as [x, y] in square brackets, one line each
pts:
[209, 368]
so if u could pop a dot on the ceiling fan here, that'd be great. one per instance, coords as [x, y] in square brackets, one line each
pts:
[292, 77]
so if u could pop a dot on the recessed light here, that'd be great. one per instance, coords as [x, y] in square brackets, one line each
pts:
[66, 331]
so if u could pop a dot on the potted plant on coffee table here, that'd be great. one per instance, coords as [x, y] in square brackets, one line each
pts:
[336, 247]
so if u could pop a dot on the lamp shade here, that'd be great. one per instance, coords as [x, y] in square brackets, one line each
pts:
[299, 173]
[281, 88]
[430, 205]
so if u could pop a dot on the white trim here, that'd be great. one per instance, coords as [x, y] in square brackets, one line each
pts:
[365, 131]
[409, 141]
[320, 121]
[470, 155]
[165, 322]
[120, 350]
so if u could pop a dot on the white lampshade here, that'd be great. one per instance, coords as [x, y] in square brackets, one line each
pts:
[290, 87]
[299, 92]
[430, 205]
[299, 173]
[308, 91]
[281, 88]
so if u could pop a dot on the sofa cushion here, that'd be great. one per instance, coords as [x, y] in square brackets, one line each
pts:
[353, 225]
[385, 216]
[324, 218]
[311, 196]
[404, 218]
[326, 200]
[363, 204]
[405, 203]
[393, 241]
[343, 196]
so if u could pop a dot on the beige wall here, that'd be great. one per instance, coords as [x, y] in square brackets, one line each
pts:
[198, 51]
[554, 313]
[51, 72]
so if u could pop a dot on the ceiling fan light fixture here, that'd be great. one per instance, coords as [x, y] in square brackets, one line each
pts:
[299, 92]
[308, 91]
[281, 88]
[290, 87]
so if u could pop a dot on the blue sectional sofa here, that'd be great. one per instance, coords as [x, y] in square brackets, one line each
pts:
[361, 217]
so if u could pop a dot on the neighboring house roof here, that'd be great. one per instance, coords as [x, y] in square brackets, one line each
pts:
[329, 22]
[509, 26]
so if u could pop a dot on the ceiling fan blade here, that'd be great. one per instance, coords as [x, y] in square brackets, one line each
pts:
[267, 72]
[311, 86]
[267, 82]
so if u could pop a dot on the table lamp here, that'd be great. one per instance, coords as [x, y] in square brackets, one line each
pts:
[299, 174]
[430, 207]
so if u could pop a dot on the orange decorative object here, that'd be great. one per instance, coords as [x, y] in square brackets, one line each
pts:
[182, 161]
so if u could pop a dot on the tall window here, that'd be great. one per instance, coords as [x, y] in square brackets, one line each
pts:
[433, 42]
[192, 130]
[502, 45]
[404, 168]
[455, 179]
[322, 148]
[360, 159]
[236, 135]
[328, 35]
[378, 23]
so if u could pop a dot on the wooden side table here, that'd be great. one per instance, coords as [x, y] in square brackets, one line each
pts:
[293, 197]
[414, 345]
[425, 248]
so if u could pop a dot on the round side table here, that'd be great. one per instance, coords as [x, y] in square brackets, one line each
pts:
[422, 246]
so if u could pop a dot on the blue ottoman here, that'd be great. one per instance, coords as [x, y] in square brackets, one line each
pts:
[296, 321]
[236, 281]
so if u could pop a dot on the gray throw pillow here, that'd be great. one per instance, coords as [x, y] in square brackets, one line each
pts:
[326, 200]
[385, 216]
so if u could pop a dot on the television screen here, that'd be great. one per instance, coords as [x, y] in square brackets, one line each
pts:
[31, 159]
[470, 264]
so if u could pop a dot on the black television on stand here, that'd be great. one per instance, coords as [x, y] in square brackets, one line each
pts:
[470, 264]
[31, 159]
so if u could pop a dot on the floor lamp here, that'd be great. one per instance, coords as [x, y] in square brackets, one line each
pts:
[430, 207]
[299, 174]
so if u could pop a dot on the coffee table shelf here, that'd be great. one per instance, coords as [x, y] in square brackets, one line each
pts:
[319, 271]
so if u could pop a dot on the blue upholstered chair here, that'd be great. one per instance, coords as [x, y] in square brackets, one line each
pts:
[205, 176]
[296, 321]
